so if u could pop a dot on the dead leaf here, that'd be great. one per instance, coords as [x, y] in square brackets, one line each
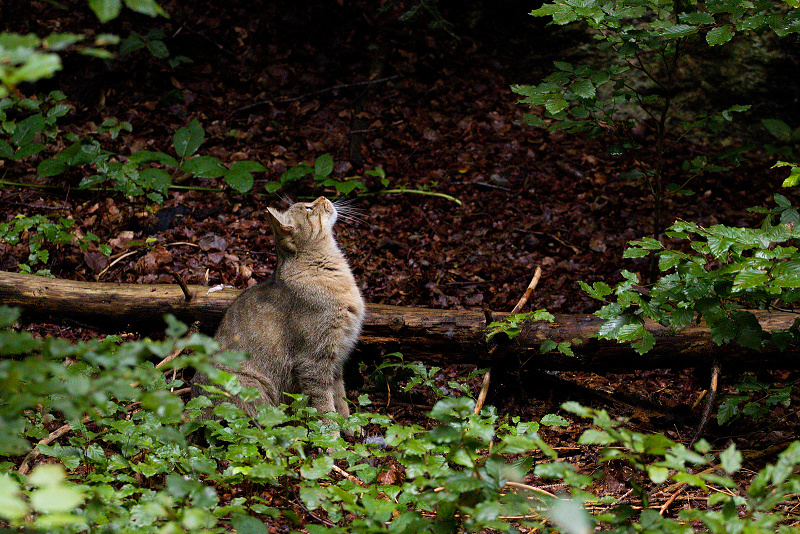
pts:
[212, 242]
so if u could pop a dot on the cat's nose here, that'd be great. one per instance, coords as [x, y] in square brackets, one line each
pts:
[325, 202]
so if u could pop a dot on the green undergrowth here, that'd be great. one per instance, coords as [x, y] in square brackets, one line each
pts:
[138, 456]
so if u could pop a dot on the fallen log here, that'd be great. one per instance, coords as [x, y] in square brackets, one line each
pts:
[419, 333]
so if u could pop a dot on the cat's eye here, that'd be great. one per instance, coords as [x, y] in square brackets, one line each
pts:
[309, 208]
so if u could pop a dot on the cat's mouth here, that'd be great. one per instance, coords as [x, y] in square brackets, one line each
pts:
[327, 207]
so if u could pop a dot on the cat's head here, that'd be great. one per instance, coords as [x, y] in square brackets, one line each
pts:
[303, 225]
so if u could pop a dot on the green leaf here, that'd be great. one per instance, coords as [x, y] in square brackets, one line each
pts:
[245, 524]
[554, 420]
[27, 151]
[150, 156]
[146, 7]
[787, 274]
[158, 49]
[12, 505]
[60, 41]
[27, 130]
[319, 468]
[792, 180]
[719, 35]
[534, 120]
[646, 343]
[240, 176]
[323, 166]
[106, 10]
[239, 179]
[5, 150]
[188, 139]
[778, 128]
[598, 290]
[675, 31]
[583, 88]
[749, 278]
[748, 330]
[248, 165]
[410, 522]
[556, 105]
[697, 18]
[54, 493]
[296, 173]
[204, 167]
[635, 253]
[50, 167]
[657, 474]
[155, 179]
[731, 459]
[36, 67]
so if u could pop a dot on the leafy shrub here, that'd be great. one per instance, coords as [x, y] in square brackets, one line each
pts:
[509, 326]
[323, 168]
[130, 461]
[24, 120]
[153, 42]
[754, 399]
[394, 373]
[29, 58]
[42, 231]
[647, 39]
[147, 172]
[786, 139]
[729, 269]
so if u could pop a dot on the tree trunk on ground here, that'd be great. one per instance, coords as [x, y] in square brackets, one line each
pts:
[432, 335]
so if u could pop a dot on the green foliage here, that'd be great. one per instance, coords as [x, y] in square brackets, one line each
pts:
[575, 97]
[647, 39]
[153, 42]
[754, 400]
[394, 373]
[42, 231]
[29, 58]
[144, 173]
[107, 10]
[321, 174]
[727, 270]
[131, 462]
[509, 326]
[786, 139]
[794, 173]
[25, 121]
[148, 172]
[756, 509]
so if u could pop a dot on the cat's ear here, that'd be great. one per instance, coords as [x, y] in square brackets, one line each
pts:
[278, 223]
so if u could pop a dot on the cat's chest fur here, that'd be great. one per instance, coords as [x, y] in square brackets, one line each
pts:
[324, 306]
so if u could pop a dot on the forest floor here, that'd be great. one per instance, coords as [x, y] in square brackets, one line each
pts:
[284, 85]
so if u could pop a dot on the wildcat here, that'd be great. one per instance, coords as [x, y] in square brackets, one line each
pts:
[299, 326]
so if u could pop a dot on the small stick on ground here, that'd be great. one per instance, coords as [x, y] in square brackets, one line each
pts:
[537, 275]
[25, 466]
[187, 296]
[712, 395]
[348, 476]
[484, 391]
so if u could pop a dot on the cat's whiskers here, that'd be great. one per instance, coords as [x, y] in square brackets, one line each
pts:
[285, 198]
[348, 212]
